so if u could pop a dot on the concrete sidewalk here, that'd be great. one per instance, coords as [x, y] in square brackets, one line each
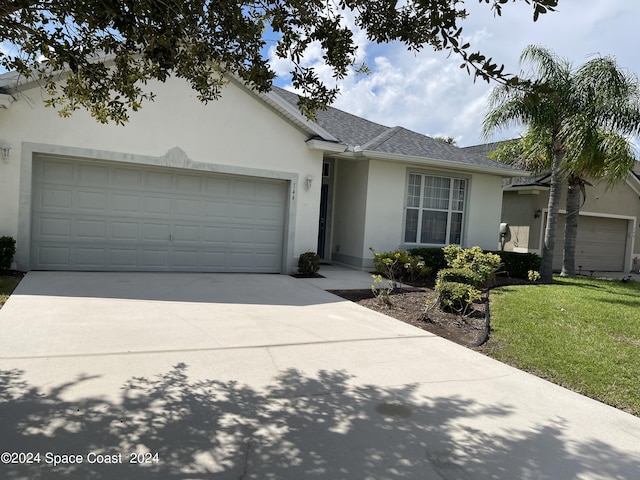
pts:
[267, 376]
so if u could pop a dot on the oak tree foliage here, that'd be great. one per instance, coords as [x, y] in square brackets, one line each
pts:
[107, 50]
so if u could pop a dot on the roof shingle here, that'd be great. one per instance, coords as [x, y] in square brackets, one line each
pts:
[374, 137]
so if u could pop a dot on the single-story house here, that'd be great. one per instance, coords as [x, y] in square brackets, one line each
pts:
[606, 228]
[243, 184]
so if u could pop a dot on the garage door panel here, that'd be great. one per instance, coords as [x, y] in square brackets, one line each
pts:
[60, 172]
[52, 228]
[124, 230]
[123, 257]
[90, 257]
[156, 232]
[156, 206]
[189, 184]
[154, 258]
[94, 175]
[215, 234]
[601, 243]
[51, 198]
[91, 229]
[126, 177]
[216, 210]
[269, 213]
[268, 237]
[54, 256]
[121, 203]
[161, 181]
[91, 201]
[137, 218]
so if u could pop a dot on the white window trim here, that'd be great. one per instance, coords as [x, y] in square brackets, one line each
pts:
[431, 173]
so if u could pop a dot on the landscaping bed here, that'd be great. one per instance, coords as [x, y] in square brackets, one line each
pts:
[9, 280]
[409, 304]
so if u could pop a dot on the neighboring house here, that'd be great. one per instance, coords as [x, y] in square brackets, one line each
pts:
[606, 228]
[242, 184]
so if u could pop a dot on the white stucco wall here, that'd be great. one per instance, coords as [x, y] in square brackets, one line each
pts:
[386, 192]
[236, 134]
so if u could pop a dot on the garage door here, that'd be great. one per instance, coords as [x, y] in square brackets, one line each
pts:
[88, 215]
[601, 244]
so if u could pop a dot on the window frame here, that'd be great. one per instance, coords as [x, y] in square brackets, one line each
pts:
[432, 173]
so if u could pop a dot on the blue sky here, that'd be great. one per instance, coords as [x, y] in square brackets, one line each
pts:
[429, 93]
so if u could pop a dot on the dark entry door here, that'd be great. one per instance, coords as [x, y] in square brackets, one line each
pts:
[322, 227]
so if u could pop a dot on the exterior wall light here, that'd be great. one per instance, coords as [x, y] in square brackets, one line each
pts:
[4, 152]
[537, 214]
[308, 181]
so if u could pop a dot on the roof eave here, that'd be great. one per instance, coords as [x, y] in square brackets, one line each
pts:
[318, 144]
[434, 162]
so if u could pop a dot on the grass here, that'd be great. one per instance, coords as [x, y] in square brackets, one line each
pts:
[583, 334]
[8, 283]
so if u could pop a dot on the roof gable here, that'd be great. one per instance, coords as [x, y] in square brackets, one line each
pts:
[363, 135]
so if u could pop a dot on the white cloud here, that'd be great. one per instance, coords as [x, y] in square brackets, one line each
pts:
[429, 93]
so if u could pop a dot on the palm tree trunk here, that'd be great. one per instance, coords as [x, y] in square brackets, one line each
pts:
[555, 190]
[571, 227]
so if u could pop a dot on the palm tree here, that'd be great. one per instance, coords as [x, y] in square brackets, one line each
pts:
[577, 119]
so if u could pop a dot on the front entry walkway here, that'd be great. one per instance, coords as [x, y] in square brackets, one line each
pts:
[173, 376]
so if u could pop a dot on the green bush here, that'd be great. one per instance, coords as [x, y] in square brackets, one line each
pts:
[432, 258]
[7, 251]
[461, 275]
[400, 265]
[456, 296]
[517, 265]
[485, 265]
[308, 263]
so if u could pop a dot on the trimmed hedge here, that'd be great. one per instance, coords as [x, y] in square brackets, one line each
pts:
[517, 265]
[432, 257]
[461, 275]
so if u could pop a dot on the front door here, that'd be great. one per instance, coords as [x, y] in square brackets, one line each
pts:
[322, 227]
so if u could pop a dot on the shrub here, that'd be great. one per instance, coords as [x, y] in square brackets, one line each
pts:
[456, 296]
[7, 251]
[308, 263]
[400, 265]
[433, 258]
[461, 275]
[484, 265]
[469, 269]
[517, 264]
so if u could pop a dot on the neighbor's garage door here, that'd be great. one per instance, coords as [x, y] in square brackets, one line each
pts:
[88, 215]
[601, 244]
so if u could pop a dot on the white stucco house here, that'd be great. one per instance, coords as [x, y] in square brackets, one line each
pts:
[243, 184]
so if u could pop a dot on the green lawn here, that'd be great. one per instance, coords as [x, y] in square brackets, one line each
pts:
[7, 284]
[581, 333]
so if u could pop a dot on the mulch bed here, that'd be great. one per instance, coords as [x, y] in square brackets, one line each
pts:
[410, 306]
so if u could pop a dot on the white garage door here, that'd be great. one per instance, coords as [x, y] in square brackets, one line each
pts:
[88, 215]
[601, 244]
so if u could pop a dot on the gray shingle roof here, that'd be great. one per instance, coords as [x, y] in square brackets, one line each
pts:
[374, 137]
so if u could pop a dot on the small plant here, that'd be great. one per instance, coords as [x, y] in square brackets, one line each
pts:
[381, 290]
[533, 275]
[457, 296]
[469, 269]
[400, 265]
[309, 263]
[7, 251]
[484, 265]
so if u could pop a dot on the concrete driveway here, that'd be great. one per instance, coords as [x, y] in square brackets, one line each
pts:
[176, 376]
